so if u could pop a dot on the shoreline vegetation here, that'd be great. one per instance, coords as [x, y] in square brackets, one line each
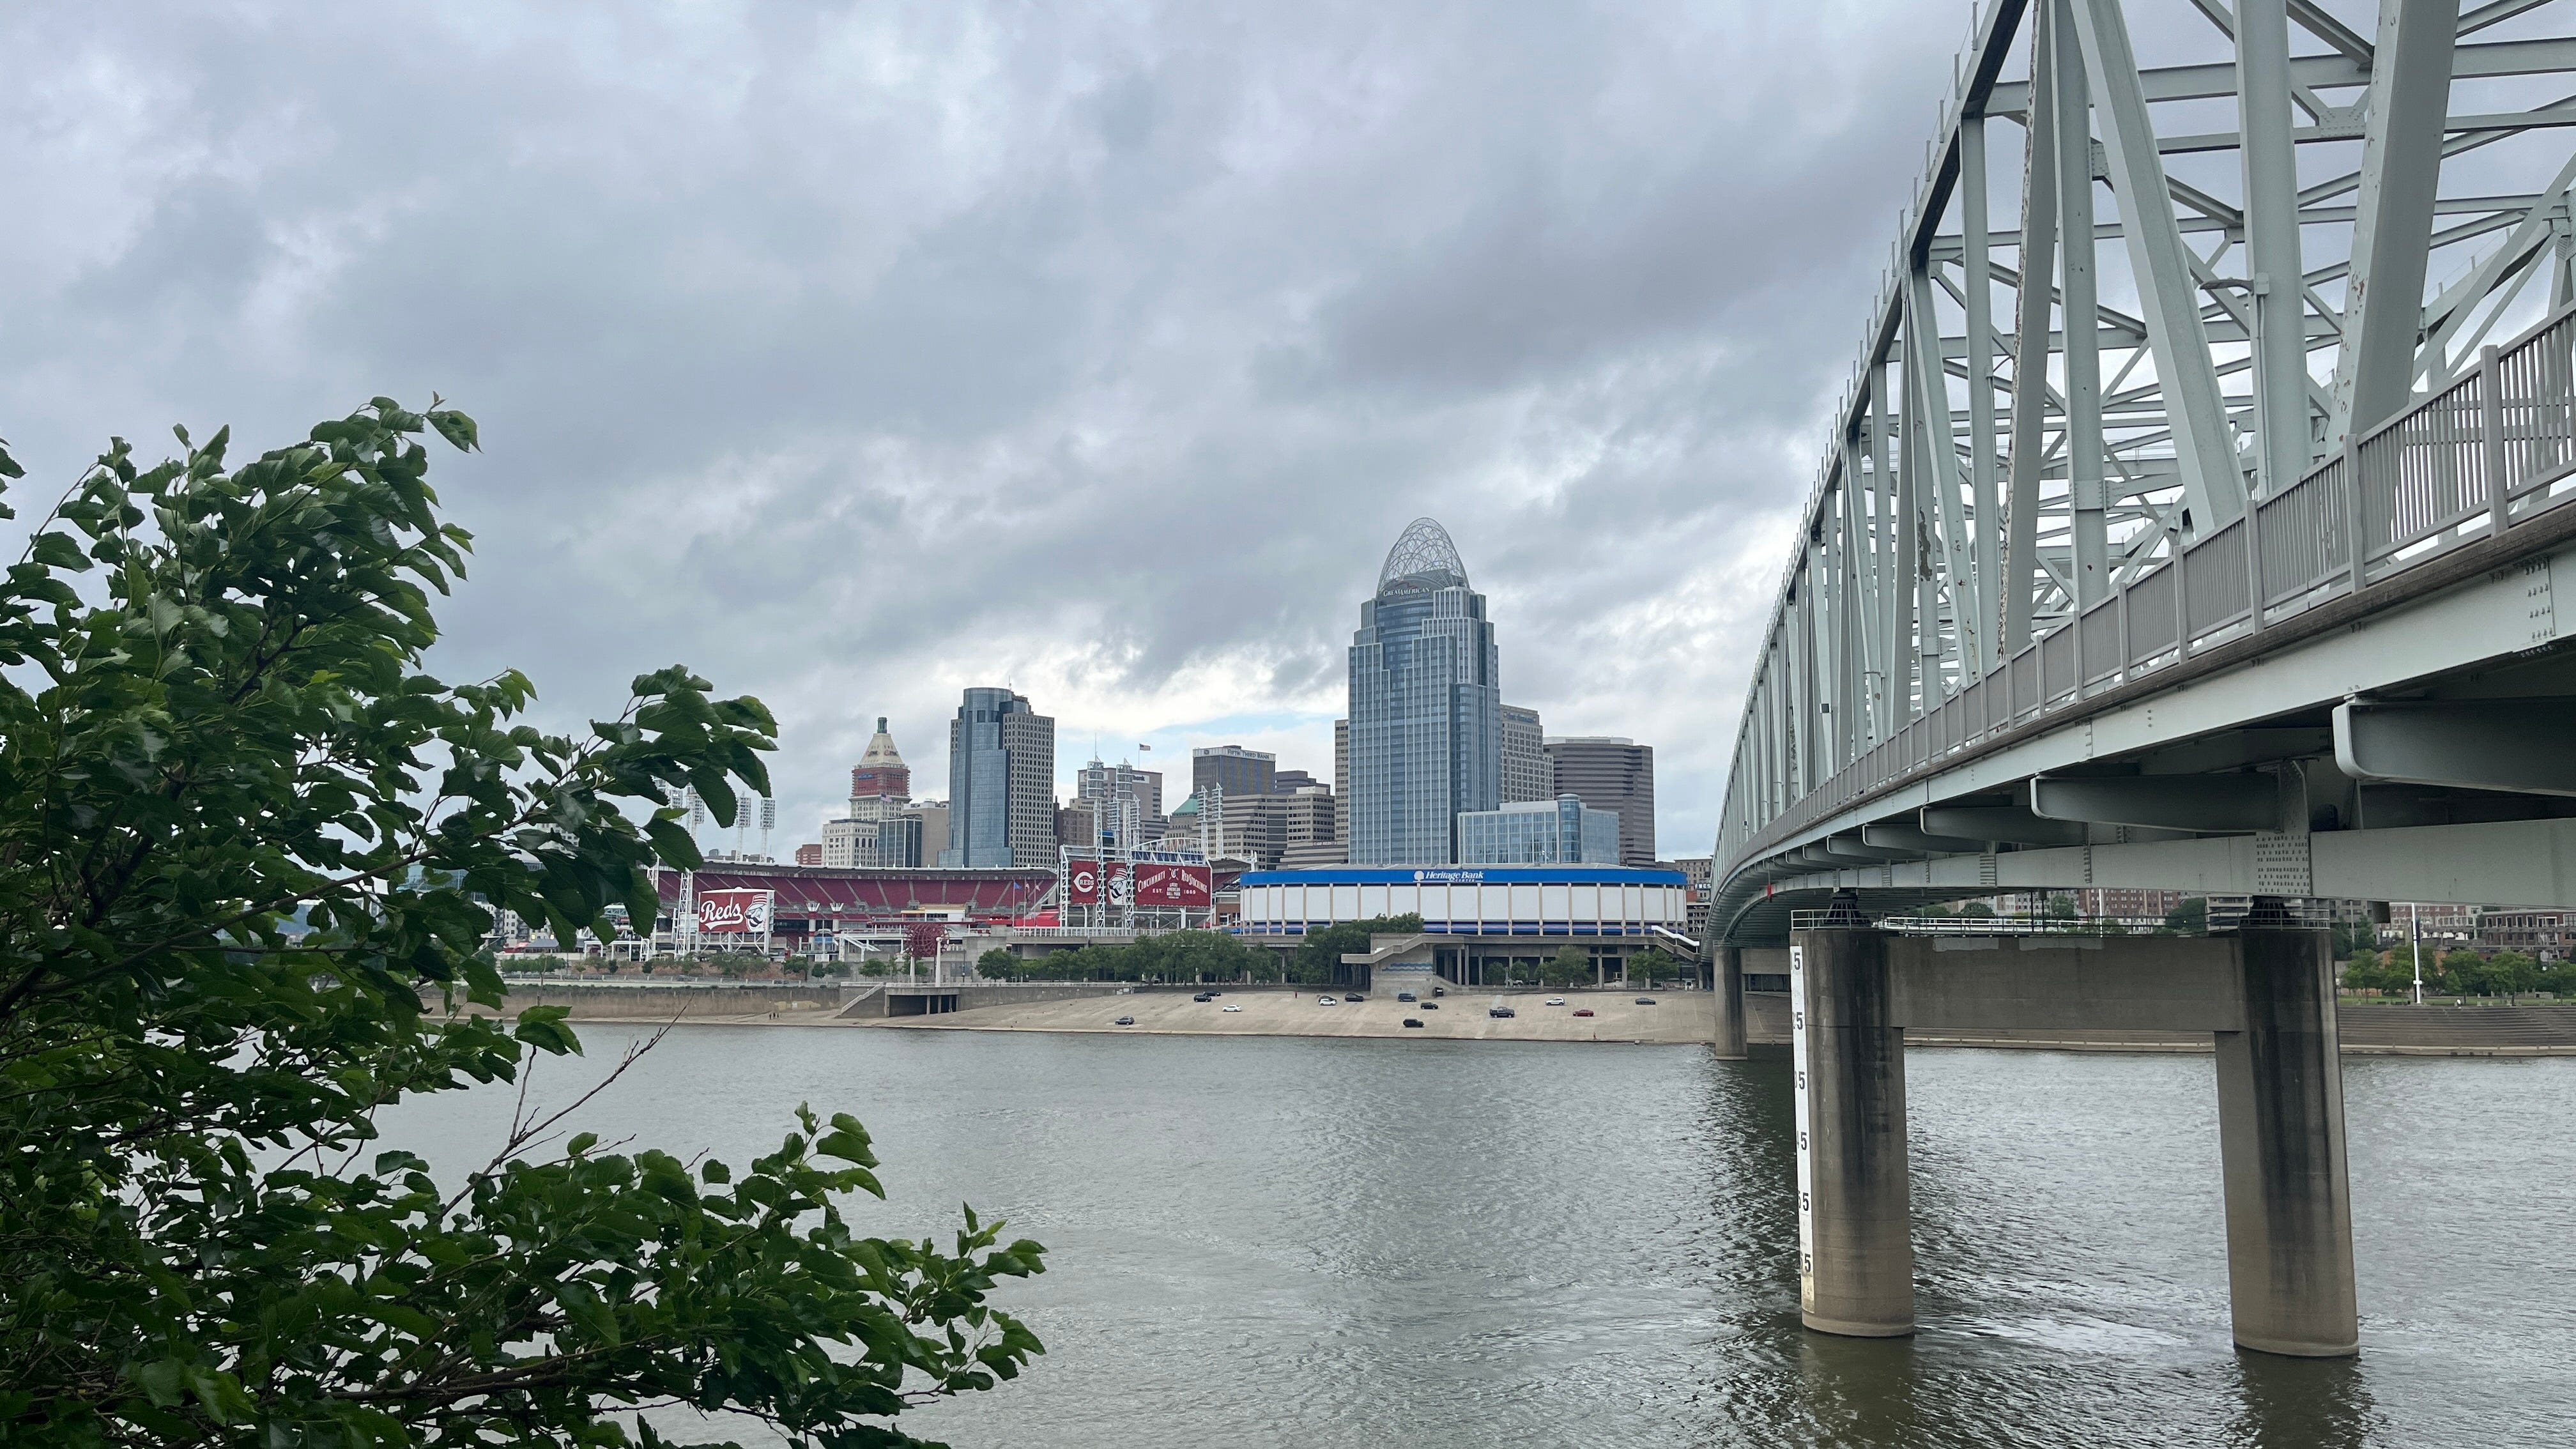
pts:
[258, 853]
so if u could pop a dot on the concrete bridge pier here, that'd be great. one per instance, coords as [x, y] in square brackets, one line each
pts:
[2280, 1135]
[2265, 994]
[1728, 988]
[1855, 1212]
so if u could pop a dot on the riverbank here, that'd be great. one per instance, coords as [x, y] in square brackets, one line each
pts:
[1461, 1015]
[1677, 1017]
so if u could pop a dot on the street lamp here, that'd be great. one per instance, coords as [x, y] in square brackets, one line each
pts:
[2415, 930]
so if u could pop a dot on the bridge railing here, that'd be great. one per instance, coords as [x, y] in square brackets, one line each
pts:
[1809, 920]
[2413, 489]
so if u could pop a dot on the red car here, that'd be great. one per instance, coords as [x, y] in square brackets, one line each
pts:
[1583, 1011]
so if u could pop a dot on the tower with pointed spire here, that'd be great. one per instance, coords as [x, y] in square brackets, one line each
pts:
[880, 773]
[1426, 737]
[880, 788]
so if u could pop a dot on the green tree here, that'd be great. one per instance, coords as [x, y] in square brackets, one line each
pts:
[2512, 973]
[999, 964]
[1321, 952]
[2189, 917]
[1978, 910]
[1566, 968]
[213, 720]
[1652, 966]
[2061, 908]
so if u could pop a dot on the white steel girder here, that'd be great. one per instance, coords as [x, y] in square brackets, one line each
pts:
[1983, 490]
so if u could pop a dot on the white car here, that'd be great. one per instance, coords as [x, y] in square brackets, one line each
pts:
[1327, 1001]
[1233, 1008]
[1556, 1001]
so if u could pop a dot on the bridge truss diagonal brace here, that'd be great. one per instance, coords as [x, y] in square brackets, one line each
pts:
[2213, 483]
[2525, 746]
[2401, 171]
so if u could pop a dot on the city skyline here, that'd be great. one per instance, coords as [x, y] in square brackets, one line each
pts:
[1171, 748]
[1155, 363]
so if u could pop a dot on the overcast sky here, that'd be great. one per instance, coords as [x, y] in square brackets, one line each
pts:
[857, 354]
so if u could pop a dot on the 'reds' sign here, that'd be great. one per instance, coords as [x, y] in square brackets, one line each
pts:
[735, 913]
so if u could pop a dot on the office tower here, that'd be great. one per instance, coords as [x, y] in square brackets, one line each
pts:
[899, 840]
[1001, 783]
[1342, 784]
[1077, 824]
[1562, 831]
[1235, 770]
[1426, 713]
[1608, 773]
[928, 821]
[1524, 757]
[1127, 801]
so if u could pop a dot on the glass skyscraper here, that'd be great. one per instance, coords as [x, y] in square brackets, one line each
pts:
[1426, 734]
[1001, 783]
[1538, 832]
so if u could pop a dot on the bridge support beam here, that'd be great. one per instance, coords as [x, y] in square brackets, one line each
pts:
[1729, 990]
[2266, 995]
[2280, 1135]
[1855, 1214]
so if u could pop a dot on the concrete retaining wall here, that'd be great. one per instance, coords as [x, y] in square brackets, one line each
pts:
[888, 1001]
[676, 1000]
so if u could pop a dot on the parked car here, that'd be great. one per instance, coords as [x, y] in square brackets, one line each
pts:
[1431, 1006]
[1439, 990]
[1413, 1021]
[1404, 996]
[1124, 1021]
[1204, 996]
[1645, 1001]
[1556, 1001]
[1583, 1011]
[1353, 996]
[1326, 1001]
[1500, 1011]
[1230, 1006]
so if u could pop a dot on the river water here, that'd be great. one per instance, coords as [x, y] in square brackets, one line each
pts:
[1307, 1242]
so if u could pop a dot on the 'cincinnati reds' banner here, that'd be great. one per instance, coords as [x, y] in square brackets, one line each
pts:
[1171, 885]
[1082, 882]
[734, 913]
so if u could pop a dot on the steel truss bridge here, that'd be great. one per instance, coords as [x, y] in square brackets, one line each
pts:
[2191, 518]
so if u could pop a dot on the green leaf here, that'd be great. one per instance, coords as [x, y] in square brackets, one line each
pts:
[543, 1027]
[456, 428]
[56, 550]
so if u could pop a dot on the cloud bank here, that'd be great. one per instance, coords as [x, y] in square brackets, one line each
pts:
[857, 354]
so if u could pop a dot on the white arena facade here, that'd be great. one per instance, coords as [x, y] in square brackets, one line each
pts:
[1470, 900]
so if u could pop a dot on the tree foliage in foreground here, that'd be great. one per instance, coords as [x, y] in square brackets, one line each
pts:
[212, 714]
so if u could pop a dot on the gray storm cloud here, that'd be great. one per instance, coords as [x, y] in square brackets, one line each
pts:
[854, 354]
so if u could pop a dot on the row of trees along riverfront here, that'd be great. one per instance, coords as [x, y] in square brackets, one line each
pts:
[213, 719]
[2458, 973]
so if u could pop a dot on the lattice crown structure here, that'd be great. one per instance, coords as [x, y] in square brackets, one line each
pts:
[1423, 559]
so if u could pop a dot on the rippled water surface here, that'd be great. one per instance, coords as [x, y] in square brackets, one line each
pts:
[1283, 1241]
